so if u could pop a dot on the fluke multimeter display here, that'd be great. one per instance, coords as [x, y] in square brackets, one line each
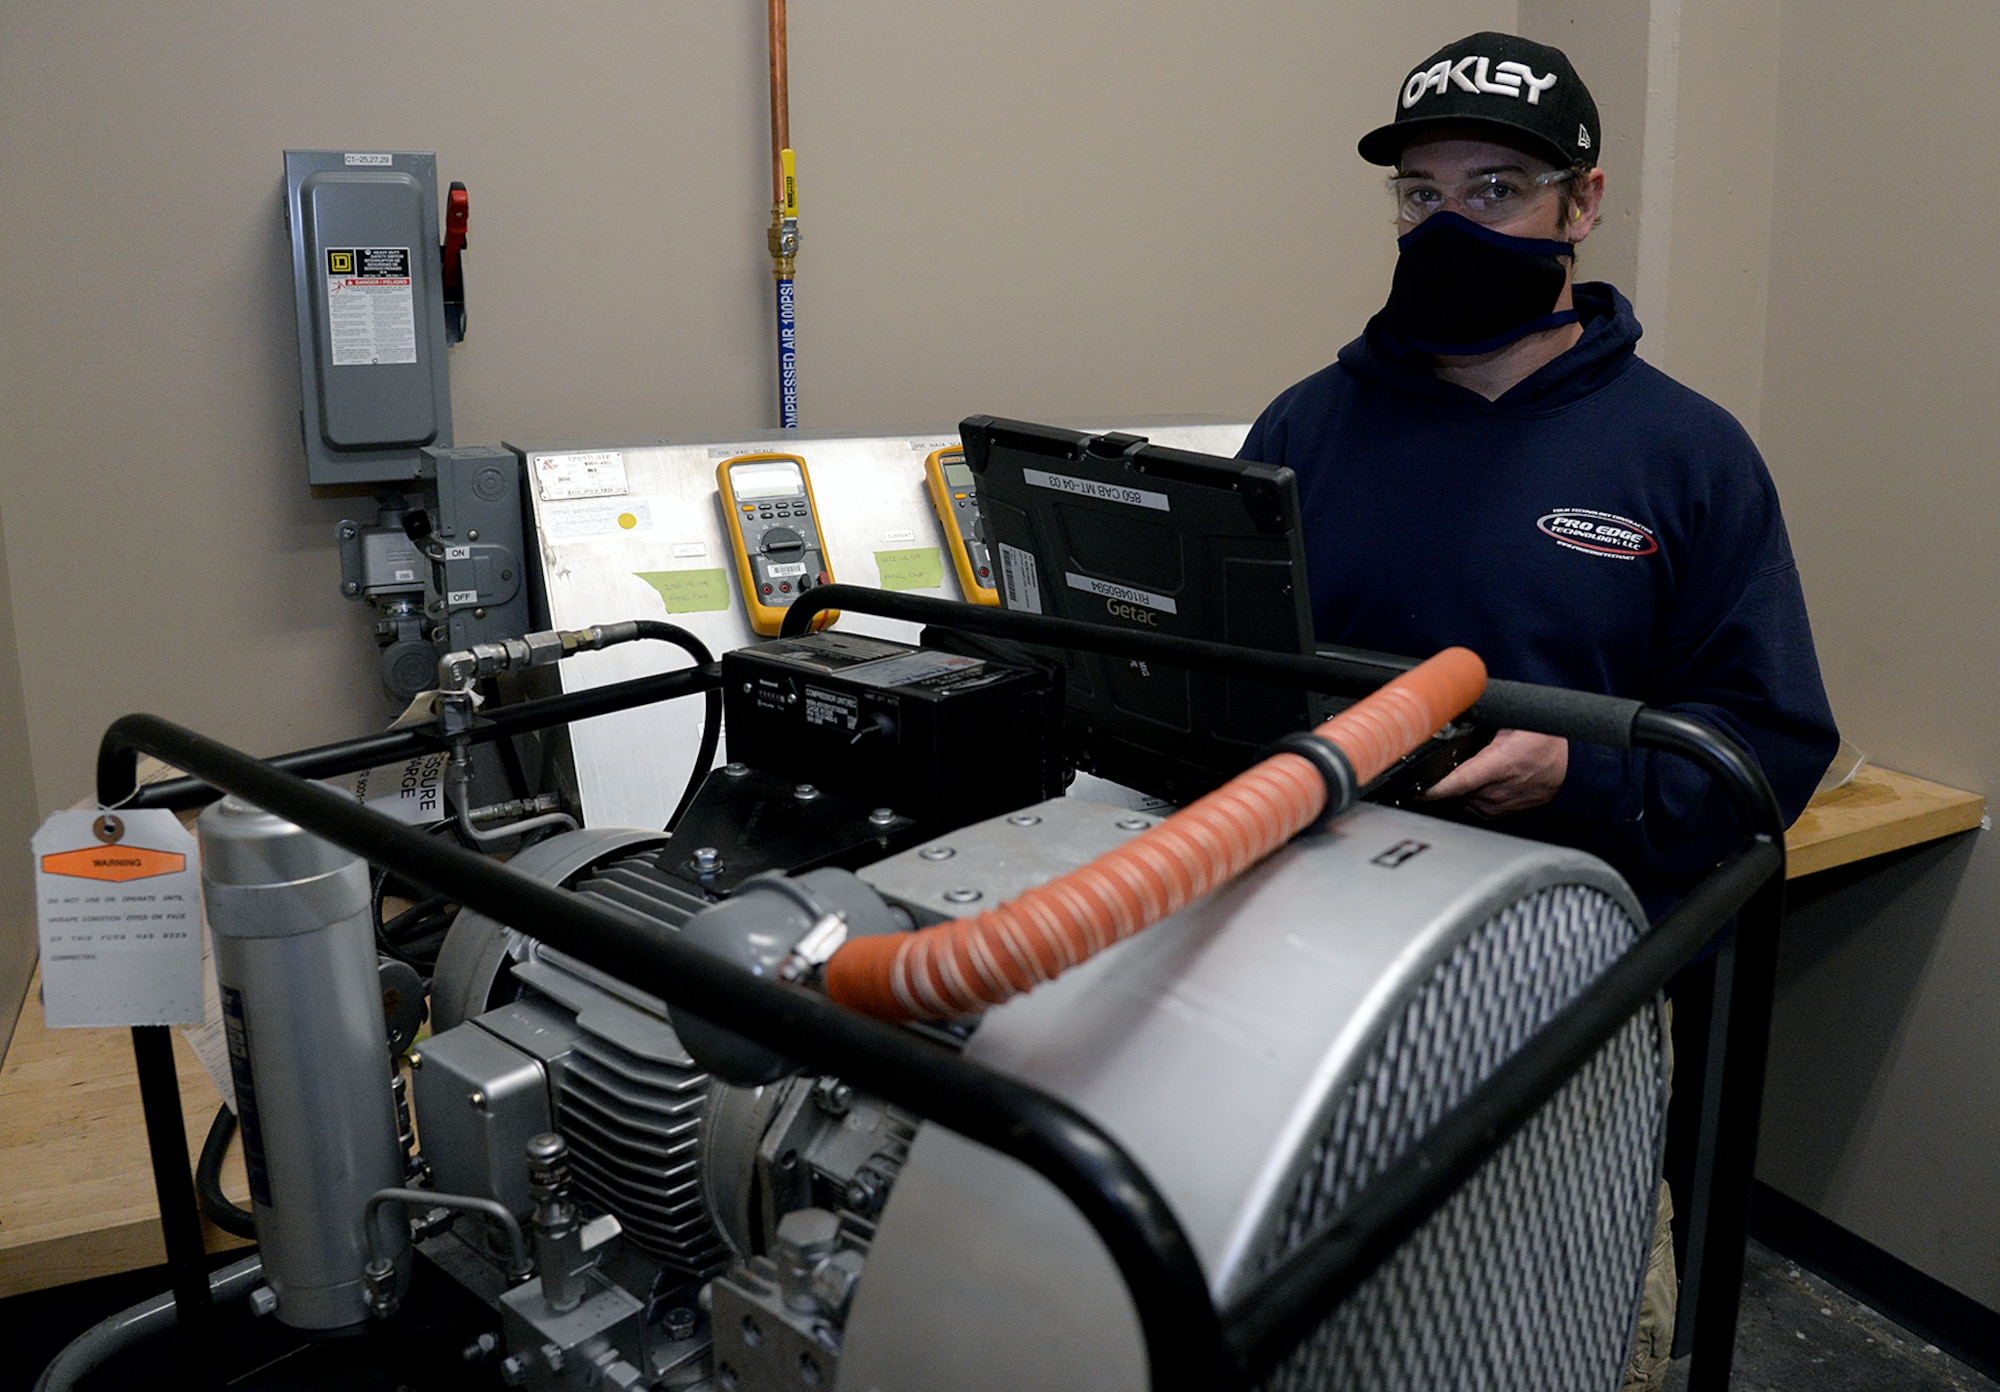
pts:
[955, 495]
[775, 532]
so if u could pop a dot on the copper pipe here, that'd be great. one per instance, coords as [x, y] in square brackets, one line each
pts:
[781, 100]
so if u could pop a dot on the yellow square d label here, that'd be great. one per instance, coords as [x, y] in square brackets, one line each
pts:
[689, 591]
[340, 263]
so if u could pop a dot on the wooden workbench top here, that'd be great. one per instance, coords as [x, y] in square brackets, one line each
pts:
[1874, 813]
[76, 1199]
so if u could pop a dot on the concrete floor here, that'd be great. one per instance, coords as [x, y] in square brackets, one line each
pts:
[1796, 1333]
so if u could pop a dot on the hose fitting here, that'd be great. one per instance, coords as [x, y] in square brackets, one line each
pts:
[1335, 770]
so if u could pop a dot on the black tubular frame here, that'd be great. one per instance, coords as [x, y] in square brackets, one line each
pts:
[373, 751]
[1189, 1343]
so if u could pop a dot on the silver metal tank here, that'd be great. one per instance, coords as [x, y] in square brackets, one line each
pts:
[302, 1007]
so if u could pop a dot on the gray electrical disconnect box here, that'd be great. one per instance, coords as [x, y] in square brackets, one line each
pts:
[484, 590]
[369, 293]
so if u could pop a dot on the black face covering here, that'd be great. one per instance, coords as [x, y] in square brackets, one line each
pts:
[1462, 289]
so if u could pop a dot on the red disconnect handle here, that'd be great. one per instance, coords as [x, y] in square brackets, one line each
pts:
[457, 212]
[963, 967]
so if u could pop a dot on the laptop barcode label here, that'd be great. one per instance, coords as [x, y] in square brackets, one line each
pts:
[1020, 584]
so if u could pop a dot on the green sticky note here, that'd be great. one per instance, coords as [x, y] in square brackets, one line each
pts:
[919, 568]
[689, 591]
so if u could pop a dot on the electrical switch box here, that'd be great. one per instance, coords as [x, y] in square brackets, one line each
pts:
[369, 294]
[481, 567]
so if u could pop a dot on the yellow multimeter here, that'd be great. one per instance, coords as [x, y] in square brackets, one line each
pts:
[775, 532]
[956, 497]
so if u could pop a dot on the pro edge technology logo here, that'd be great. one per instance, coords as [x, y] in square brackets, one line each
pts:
[1598, 533]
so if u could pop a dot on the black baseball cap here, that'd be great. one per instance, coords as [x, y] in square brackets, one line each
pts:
[1489, 79]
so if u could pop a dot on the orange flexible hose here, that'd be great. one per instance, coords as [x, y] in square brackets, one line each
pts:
[963, 967]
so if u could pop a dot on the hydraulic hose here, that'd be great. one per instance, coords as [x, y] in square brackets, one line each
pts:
[217, 1206]
[97, 1345]
[711, 712]
[458, 670]
[961, 968]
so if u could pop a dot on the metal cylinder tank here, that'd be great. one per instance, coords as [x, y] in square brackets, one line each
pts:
[302, 1008]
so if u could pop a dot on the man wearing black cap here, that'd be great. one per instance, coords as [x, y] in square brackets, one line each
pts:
[1491, 464]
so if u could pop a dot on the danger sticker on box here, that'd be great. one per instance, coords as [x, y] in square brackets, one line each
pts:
[371, 311]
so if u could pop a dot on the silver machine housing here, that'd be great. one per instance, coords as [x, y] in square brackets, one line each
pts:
[302, 1012]
[1263, 1055]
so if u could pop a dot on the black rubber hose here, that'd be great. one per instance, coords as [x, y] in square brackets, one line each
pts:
[217, 1206]
[711, 722]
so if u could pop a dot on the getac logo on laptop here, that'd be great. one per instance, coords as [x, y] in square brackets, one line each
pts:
[1508, 80]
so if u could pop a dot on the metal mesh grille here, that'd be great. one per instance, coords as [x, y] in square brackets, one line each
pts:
[1528, 1277]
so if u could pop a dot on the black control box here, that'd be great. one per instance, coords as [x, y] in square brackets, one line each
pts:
[943, 738]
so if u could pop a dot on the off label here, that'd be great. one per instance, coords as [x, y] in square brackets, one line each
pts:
[371, 311]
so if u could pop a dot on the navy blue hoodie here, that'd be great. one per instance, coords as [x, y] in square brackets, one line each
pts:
[1599, 527]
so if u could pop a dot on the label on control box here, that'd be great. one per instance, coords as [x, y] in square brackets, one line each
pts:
[371, 312]
[835, 708]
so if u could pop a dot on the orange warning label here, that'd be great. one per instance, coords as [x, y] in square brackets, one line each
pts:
[114, 863]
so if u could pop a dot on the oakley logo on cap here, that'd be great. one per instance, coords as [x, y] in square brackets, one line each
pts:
[1508, 79]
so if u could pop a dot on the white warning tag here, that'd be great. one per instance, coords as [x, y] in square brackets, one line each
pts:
[119, 895]
[371, 313]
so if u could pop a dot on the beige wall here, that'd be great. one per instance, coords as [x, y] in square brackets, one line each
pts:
[18, 816]
[1607, 44]
[1056, 209]
[1880, 418]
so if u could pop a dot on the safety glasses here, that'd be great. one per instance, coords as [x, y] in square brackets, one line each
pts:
[1484, 198]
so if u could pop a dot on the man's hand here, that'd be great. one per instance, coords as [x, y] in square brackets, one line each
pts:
[1517, 771]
